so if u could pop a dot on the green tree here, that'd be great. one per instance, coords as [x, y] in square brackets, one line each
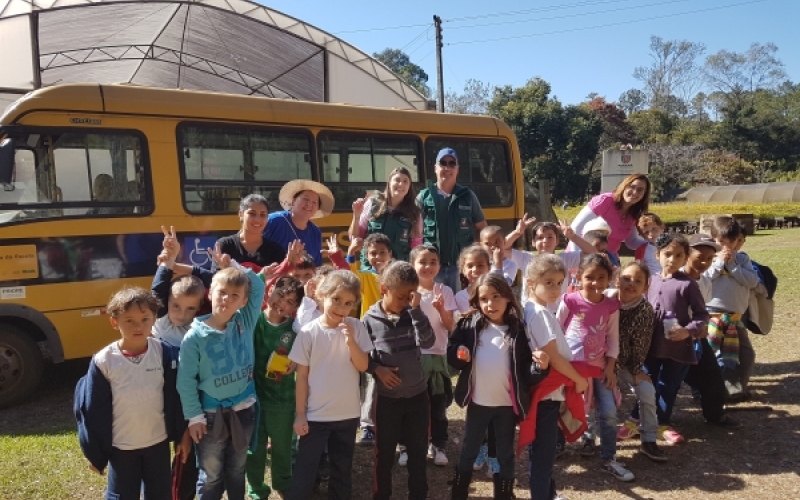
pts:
[653, 125]
[674, 75]
[399, 62]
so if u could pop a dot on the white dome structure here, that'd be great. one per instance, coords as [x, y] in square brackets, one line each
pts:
[231, 46]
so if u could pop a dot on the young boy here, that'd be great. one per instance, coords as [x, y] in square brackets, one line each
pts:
[732, 277]
[275, 388]
[650, 228]
[126, 406]
[329, 352]
[705, 377]
[215, 379]
[398, 329]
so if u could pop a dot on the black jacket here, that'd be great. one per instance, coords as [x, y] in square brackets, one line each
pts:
[524, 375]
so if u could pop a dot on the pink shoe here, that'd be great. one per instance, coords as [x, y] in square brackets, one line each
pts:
[628, 430]
[670, 435]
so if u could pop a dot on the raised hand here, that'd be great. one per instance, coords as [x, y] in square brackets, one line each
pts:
[438, 297]
[416, 297]
[566, 229]
[358, 207]
[524, 223]
[295, 251]
[268, 272]
[355, 246]
[222, 260]
[333, 245]
[310, 288]
[171, 245]
[498, 255]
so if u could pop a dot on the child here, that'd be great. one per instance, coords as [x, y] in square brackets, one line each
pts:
[273, 340]
[635, 334]
[706, 376]
[650, 228]
[310, 308]
[491, 238]
[329, 352]
[126, 406]
[215, 379]
[732, 277]
[672, 352]
[398, 327]
[544, 278]
[599, 240]
[438, 304]
[474, 262]
[591, 322]
[497, 368]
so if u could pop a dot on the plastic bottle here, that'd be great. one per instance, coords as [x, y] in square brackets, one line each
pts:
[670, 322]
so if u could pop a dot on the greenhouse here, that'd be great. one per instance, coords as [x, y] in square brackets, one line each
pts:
[772, 192]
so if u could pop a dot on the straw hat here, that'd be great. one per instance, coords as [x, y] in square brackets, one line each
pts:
[291, 188]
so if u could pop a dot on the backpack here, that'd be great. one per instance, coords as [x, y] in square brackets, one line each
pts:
[759, 315]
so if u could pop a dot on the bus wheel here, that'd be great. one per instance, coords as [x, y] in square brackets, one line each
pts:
[21, 365]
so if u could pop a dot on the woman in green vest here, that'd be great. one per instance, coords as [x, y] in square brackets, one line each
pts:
[393, 213]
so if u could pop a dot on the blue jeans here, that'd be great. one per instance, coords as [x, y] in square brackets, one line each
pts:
[478, 419]
[222, 468]
[128, 469]
[605, 420]
[646, 400]
[542, 451]
[667, 376]
[448, 275]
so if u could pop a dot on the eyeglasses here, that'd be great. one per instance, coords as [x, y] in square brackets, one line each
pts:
[448, 164]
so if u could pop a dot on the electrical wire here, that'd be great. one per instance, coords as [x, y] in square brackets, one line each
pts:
[386, 28]
[619, 23]
[549, 8]
[424, 32]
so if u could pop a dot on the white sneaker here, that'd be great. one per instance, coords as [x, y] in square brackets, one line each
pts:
[439, 458]
[431, 452]
[402, 461]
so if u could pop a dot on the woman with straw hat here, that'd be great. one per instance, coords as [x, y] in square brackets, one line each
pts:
[302, 200]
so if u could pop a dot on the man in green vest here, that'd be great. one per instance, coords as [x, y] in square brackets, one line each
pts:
[451, 216]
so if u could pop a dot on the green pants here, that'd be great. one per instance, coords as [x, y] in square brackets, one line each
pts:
[275, 427]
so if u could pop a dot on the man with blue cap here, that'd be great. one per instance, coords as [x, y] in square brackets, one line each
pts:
[451, 215]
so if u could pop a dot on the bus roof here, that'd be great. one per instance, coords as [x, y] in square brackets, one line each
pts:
[125, 99]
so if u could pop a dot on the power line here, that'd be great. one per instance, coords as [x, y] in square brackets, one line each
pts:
[568, 16]
[586, 3]
[386, 28]
[424, 32]
[619, 23]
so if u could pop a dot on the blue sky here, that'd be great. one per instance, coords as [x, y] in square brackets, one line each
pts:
[558, 40]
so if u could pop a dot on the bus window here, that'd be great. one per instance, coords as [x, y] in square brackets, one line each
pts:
[221, 164]
[75, 173]
[484, 167]
[354, 164]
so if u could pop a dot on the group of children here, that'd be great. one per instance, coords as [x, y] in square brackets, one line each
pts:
[279, 353]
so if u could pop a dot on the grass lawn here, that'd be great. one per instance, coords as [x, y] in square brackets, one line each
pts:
[682, 212]
[40, 457]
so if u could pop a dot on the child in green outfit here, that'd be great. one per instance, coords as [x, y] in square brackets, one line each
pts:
[275, 388]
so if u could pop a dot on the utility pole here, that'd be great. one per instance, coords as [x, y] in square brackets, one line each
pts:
[437, 22]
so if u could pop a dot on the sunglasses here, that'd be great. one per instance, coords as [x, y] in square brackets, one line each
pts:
[451, 163]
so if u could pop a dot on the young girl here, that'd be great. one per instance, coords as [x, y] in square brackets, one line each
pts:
[544, 278]
[671, 353]
[330, 351]
[591, 322]
[498, 369]
[635, 332]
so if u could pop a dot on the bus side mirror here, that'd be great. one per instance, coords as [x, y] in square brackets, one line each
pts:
[6, 161]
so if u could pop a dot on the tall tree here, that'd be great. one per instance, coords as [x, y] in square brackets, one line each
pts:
[473, 100]
[736, 74]
[399, 62]
[674, 76]
[632, 100]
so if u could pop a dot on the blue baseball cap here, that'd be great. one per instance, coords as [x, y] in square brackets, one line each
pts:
[446, 152]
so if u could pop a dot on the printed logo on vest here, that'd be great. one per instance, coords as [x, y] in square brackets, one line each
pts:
[464, 223]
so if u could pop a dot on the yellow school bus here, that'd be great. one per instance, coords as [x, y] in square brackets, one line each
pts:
[90, 172]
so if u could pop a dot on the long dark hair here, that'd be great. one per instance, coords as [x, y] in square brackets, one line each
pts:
[513, 313]
[637, 209]
[408, 205]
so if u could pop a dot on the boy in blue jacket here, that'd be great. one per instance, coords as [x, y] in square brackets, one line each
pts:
[127, 406]
[215, 379]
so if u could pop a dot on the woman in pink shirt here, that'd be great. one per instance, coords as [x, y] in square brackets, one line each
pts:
[621, 209]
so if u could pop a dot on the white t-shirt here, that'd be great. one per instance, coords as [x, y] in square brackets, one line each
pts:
[307, 312]
[650, 259]
[333, 391]
[462, 301]
[164, 329]
[442, 335]
[542, 327]
[137, 391]
[490, 368]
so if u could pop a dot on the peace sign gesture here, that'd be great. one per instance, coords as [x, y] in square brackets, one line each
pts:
[566, 229]
[524, 223]
[171, 246]
[222, 260]
[438, 297]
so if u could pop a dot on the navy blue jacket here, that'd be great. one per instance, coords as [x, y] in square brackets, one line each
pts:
[94, 414]
[162, 285]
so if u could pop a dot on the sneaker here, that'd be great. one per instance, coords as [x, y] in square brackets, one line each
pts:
[492, 467]
[617, 470]
[437, 455]
[726, 422]
[653, 452]
[402, 461]
[670, 435]
[481, 460]
[628, 430]
[367, 437]
[587, 450]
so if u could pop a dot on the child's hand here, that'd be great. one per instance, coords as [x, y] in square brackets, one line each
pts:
[678, 334]
[162, 259]
[726, 255]
[295, 251]
[542, 359]
[197, 431]
[498, 255]
[94, 469]
[300, 425]
[524, 223]
[358, 207]
[463, 354]
[641, 377]
[438, 297]
[349, 333]
[222, 260]
[170, 243]
[291, 369]
[310, 288]
[268, 272]
[610, 376]
[184, 447]
[581, 385]
[415, 299]
[566, 229]
[333, 244]
[387, 376]
[355, 246]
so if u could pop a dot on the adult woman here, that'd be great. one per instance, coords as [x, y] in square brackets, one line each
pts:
[249, 245]
[394, 213]
[621, 209]
[303, 200]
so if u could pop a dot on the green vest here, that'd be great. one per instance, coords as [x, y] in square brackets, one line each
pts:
[267, 339]
[447, 223]
[397, 228]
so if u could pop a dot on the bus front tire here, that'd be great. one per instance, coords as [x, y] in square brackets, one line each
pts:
[21, 365]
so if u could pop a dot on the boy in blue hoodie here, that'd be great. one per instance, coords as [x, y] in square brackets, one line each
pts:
[215, 379]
